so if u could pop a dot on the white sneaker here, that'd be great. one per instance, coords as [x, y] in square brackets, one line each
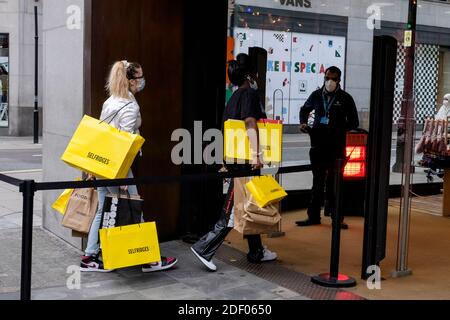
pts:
[268, 255]
[209, 264]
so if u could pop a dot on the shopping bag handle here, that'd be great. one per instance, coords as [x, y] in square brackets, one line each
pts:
[139, 224]
[129, 202]
[115, 115]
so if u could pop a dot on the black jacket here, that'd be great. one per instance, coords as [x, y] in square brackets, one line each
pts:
[343, 113]
[343, 117]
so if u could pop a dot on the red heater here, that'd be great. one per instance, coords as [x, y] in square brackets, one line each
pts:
[356, 155]
[355, 174]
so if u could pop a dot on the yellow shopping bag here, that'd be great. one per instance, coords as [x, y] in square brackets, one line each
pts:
[237, 145]
[102, 150]
[266, 190]
[60, 204]
[129, 245]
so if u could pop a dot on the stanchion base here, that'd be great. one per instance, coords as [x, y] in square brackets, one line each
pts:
[326, 280]
[277, 234]
[401, 274]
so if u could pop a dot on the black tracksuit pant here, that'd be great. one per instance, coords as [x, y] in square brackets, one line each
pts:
[325, 150]
[208, 245]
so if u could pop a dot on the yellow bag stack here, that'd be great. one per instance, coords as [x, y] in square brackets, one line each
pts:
[102, 150]
[129, 245]
[237, 145]
[266, 190]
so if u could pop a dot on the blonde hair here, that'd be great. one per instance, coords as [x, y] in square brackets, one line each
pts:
[118, 81]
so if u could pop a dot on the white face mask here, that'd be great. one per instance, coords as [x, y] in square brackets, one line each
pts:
[330, 85]
[446, 103]
[141, 85]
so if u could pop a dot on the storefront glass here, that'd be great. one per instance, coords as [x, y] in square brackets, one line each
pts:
[303, 38]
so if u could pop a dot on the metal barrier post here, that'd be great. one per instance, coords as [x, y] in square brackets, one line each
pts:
[28, 189]
[334, 279]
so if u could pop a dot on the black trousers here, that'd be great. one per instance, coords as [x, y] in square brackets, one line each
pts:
[208, 245]
[323, 155]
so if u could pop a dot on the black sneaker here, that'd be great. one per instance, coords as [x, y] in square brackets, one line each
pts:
[164, 264]
[92, 264]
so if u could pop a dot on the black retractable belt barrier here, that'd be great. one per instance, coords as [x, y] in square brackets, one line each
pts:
[10, 180]
[334, 279]
[29, 187]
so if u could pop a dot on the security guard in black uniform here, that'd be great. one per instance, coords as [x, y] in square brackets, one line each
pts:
[335, 115]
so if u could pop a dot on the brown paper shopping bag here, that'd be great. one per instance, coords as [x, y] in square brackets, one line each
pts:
[81, 210]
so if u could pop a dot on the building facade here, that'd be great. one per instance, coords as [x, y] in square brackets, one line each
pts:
[186, 73]
[17, 63]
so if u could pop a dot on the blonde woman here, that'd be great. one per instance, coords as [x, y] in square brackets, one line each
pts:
[122, 111]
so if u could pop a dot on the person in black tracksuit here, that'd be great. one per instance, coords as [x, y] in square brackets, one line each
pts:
[243, 105]
[335, 115]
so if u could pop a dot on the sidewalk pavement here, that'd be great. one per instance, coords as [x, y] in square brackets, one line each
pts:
[55, 264]
[19, 143]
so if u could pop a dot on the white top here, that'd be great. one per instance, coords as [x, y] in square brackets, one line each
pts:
[128, 119]
[443, 113]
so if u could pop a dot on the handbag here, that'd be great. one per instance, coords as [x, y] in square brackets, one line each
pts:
[102, 150]
[121, 210]
[129, 245]
[60, 204]
[81, 210]
[269, 215]
[266, 190]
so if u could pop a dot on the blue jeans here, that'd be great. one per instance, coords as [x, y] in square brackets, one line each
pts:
[93, 246]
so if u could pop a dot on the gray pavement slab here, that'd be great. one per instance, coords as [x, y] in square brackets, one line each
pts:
[19, 143]
[123, 296]
[177, 291]
[5, 211]
[245, 292]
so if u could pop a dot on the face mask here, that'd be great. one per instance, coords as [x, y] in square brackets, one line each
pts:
[141, 85]
[330, 85]
[446, 103]
[253, 83]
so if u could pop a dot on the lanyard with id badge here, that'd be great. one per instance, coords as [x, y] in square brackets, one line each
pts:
[327, 106]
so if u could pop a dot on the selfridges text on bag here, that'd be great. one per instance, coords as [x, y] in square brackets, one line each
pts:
[102, 150]
[130, 245]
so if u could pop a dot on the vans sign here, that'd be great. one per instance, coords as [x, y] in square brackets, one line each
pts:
[296, 3]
